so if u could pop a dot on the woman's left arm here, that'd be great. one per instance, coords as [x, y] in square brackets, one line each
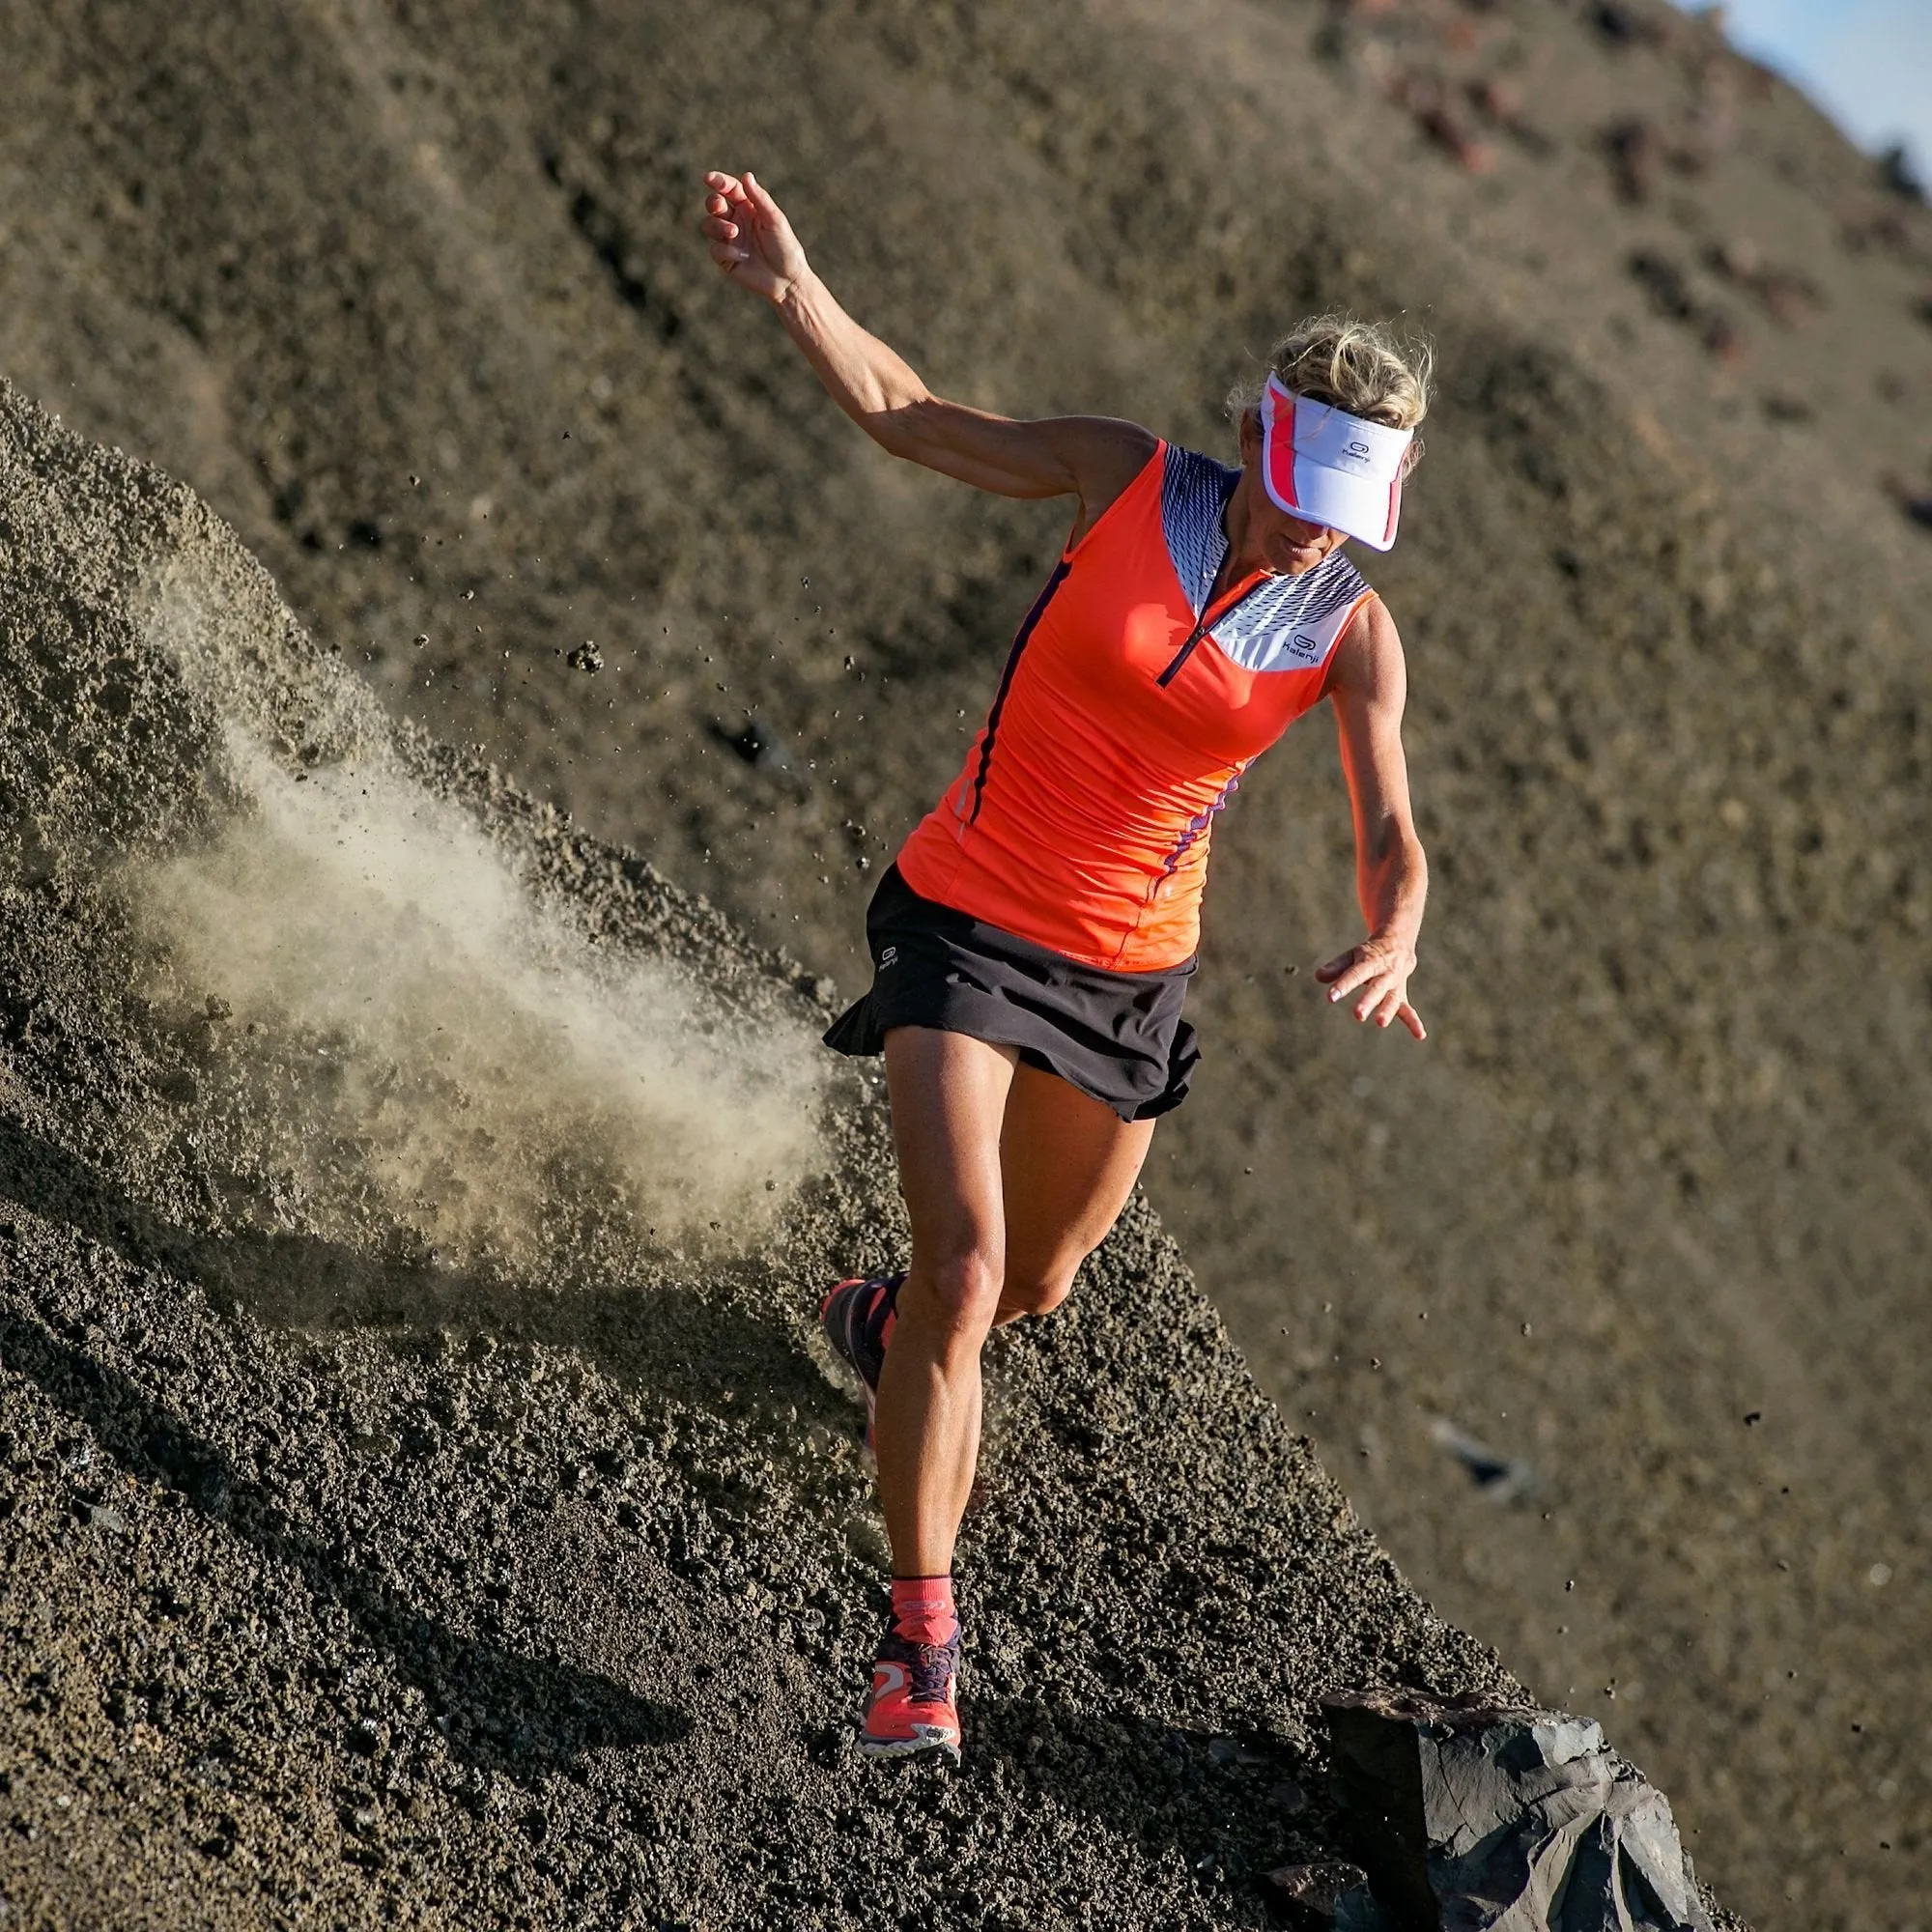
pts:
[1368, 686]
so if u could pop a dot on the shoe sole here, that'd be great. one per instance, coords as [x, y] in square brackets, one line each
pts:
[894, 1747]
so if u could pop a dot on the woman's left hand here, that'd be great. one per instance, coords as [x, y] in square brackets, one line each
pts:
[1377, 973]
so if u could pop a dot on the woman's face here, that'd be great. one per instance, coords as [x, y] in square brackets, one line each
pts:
[1286, 545]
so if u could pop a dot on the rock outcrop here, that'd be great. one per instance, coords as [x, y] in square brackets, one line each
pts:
[1470, 1815]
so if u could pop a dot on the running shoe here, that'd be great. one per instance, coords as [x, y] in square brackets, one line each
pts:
[914, 1691]
[853, 1317]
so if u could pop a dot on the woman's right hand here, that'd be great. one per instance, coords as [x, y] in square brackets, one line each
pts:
[750, 237]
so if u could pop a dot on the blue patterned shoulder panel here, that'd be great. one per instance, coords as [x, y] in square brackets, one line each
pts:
[1291, 624]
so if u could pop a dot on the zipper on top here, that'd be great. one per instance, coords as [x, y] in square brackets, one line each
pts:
[1211, 615]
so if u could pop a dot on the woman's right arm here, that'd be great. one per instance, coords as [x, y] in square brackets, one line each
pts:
[1093, 458]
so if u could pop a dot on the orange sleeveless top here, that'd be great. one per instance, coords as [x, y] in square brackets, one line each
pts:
[1127, 712]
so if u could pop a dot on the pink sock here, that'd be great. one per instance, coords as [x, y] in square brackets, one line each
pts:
[924, 1611]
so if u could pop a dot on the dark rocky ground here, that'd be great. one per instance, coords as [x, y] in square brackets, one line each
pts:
[354, 1581]
[409, 292]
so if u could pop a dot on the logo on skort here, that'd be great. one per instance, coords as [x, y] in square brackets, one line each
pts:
[888, 956]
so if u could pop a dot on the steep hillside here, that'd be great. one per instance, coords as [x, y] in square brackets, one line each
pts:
[420, 1510]
[410, 294]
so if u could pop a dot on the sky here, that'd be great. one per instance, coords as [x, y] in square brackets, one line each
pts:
[1866, 63]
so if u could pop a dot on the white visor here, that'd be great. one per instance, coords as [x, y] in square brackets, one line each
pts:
[1327, 466]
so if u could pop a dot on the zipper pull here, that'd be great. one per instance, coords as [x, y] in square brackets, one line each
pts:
[1200, 630]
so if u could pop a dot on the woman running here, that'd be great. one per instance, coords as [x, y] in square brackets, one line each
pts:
[1033, 943]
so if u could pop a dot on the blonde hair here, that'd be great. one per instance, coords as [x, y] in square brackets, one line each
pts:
[1363, 367]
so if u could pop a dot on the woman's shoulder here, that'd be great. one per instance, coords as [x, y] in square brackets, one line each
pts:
[1368, 654]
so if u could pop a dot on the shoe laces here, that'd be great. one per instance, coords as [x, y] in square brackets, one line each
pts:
[930, 1668]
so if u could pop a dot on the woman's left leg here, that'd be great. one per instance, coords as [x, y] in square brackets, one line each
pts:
[1012, 1177]
[1067, 1164]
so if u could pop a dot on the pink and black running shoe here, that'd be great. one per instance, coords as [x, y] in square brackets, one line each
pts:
[857, 1317]
[914, 1707]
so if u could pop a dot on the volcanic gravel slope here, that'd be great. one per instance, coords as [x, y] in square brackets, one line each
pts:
[351, 1581]
[408, 292]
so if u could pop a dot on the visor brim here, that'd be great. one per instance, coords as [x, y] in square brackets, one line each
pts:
[1366, 511]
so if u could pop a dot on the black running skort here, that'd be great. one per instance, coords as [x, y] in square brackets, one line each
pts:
[1117, 1037]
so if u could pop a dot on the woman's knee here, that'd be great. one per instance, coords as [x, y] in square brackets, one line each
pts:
[958, 1291]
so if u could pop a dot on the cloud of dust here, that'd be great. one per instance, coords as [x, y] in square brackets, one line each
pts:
[412, 1032]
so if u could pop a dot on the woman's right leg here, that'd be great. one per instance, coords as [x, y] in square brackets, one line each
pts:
[949, 1098]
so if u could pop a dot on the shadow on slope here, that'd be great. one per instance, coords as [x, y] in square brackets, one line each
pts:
[497, 1710]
